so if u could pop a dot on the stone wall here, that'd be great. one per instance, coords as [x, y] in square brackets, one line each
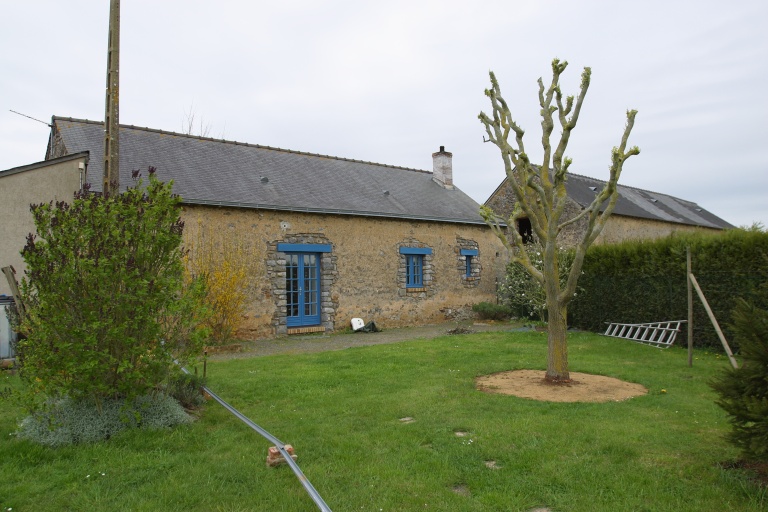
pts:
[620, 228]
[503, 202]
[364, 274]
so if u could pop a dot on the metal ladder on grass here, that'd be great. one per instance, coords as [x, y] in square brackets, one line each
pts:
[658, 334]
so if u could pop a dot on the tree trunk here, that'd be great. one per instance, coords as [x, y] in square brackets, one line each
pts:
[557, 343]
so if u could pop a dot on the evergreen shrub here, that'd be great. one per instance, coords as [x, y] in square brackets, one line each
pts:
[744, 391]
[489, 311]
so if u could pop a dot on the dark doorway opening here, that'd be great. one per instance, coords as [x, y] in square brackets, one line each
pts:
[524, 228]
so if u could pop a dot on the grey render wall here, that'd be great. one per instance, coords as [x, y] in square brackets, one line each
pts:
[54, 180]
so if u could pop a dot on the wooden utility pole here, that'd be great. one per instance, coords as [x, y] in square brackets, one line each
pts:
[111, 184]
[689, 271]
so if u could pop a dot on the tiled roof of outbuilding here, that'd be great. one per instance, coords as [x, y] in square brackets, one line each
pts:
[226, 173]
[644, 204]
[635, 202]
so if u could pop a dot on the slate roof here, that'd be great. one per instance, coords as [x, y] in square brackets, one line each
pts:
[225, 173]
[644, 204]
[635, 202]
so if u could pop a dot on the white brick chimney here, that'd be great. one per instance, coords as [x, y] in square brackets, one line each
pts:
[442, 168]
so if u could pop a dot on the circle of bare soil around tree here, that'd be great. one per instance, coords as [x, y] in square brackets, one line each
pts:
[584, 387]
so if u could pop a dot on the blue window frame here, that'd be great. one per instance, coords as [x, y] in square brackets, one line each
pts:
[302, 282]
[414, 265]
[414, 270]
[302, 287]
[304, 247]
[469, 255]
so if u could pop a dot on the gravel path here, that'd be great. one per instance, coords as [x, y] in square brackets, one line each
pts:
[325, 342]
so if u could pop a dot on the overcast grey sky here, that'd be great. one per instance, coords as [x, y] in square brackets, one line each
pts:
[390, 82]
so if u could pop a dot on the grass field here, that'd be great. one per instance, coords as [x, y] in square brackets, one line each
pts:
[342, 410]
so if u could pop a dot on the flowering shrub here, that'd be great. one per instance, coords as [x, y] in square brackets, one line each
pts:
[107, 312]
[522, 292]
[222, 262]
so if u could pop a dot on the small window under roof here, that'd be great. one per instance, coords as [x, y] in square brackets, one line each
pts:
[525, 230]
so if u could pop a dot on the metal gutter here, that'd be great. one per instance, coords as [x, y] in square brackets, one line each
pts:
[45, 163]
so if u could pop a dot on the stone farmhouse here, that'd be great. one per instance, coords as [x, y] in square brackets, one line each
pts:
[328, 239]
[638, 215]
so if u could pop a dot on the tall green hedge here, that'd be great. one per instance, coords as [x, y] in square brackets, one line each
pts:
[637, 282]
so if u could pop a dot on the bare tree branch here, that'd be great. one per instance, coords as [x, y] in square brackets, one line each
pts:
[188, 124]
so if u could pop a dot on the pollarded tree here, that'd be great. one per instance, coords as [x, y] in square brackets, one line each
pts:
[541, 197]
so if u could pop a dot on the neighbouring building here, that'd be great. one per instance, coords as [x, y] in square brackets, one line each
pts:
[328, 239]
[638, 214]
[41, 182]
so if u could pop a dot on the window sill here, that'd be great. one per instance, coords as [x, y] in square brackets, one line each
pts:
[415, 290]
[306, 330]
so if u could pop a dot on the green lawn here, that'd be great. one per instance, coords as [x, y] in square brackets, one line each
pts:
[341, 411]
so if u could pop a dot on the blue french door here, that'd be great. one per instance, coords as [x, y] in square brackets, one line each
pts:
[302, 285]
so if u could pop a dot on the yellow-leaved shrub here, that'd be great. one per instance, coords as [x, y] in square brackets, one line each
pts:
[223, 262]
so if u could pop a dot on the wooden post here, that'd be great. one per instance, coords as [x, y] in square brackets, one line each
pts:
[712, 318]
[111, 182]
[689, 272]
